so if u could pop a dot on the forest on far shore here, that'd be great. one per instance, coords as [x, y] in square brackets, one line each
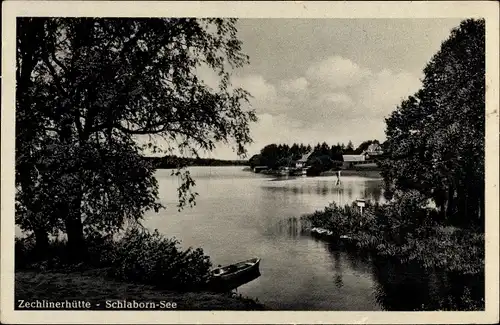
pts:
[170, 162]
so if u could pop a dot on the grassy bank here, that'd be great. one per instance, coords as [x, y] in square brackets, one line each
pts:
[93, 286]
[138, 265]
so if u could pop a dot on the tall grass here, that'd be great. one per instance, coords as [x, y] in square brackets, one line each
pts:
[142, 256]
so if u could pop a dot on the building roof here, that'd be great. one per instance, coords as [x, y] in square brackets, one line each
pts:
[374, 147]
[348, 158]
[305, 157]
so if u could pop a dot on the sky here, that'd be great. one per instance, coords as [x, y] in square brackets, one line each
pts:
[332, 80]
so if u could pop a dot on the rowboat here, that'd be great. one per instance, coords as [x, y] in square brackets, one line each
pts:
[321, 231]
[347, 240]
[234, 275]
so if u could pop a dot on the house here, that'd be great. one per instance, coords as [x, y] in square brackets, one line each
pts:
[373, 150]
[351, 160]
[301, 163]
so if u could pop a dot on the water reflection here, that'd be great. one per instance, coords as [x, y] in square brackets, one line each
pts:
[338, 269]
[291, 227]
[432, 289]
[343, 193]
[392, 281]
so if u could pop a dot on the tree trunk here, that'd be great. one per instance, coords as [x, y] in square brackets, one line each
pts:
[476, 208]
[76, 242]
[462, 214]
[41, 243]
[30, 34]
[74, 227]
[28, 201]
[441, 199]
[442, 211]
[481, 209]
[450, 208]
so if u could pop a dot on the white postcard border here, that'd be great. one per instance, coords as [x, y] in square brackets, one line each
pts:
[297, 9]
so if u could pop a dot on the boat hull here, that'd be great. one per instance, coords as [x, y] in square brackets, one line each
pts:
[321, 232]
[344, 240]
[232, 280]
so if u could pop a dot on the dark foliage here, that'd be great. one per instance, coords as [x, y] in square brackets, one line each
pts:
[435, 139]
[322, 156]
[172, 162]
[94, 94]
[407, 232]
[138, 256]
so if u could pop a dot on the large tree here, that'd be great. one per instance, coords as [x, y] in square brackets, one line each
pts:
[435, 139]
[87, 88]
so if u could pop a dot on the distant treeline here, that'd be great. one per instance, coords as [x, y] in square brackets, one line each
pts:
[323, 157]
[169, 162]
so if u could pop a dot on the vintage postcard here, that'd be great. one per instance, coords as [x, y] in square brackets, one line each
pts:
[289, 162]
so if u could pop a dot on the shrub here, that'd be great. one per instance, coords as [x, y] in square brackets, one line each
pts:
[100, 249]
[465, 302]
[24, 251]
[138, 256]
[406, 230]
[150, 258]
[26, 256]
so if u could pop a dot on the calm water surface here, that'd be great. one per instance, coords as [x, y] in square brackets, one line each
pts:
[240, 215]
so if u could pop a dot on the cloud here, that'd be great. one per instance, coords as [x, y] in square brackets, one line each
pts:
[349, 107]
[294, 85]
[208, 76]
[385, 90]
[336, 100]
[258, 87]
[337, 72]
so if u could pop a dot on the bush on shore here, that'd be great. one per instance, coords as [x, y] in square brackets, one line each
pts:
[141, 256]
[405, 230]
[138, 256]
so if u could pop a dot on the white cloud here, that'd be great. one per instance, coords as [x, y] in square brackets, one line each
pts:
[386, 89]
[258, 87]
[353, 111]
[337, 72]
[337, 98]
[294, 85]
[208, 76]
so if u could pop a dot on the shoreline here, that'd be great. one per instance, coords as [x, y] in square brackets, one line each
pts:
[368, 173]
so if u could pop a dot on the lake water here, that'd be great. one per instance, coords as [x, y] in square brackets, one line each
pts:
[240, 215]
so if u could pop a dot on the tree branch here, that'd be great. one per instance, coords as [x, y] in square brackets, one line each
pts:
[78, 124]
[59, 63]
[51, 129]
[141, 131]
[52, 71]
